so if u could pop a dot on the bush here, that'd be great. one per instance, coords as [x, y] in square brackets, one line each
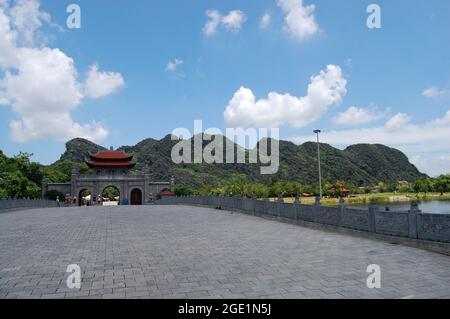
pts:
[183, 191]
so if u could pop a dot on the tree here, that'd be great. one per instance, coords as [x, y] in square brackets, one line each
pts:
[327, 188]
[382, 187]
[111, 192]
[235, 185]
[183, 191]
[422, 185]
[337, 189]
[260, 190]
[442, 184]
[61, 172]
[16, 185]
[23, 160]
[209, 190]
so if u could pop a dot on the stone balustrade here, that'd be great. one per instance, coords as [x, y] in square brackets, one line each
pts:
[12, 203]
[412, 224]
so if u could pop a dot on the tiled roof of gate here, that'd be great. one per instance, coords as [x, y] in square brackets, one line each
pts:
[111, 155]
[110, 164]
[110, 159]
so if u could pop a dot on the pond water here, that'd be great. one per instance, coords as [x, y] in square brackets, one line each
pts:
[429, 207]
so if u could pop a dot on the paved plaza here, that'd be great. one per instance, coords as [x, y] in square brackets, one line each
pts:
[191, 252]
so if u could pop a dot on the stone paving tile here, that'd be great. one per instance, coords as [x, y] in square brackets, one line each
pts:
[180, 252]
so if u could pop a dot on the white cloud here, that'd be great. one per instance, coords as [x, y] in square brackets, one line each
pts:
[433, 165]
[99, 84]
[27, 19]
[265, 21]
[7, 39]
[40, 84]
[355, 116]
[210, 27]
[326, 89]
[433, 92]
[233, 21]
[299, 21]
[397, 121]
[173, 65]
[44, 93]
[442, 121]
[427, 142]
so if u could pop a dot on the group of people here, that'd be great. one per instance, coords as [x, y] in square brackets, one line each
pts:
[96, 200]
[90, 200]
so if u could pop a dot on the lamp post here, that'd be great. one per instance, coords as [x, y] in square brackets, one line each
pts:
[318, 159]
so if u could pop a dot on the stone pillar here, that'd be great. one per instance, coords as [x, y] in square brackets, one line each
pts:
[43, 186]
[73, 182]
[97, 191]
[279, 202]
[297, 204]
[373, 208]
[254, 200]
[146, 198]
[266, 200]
[172, 183]
[413, 217]
[341, 210]
[317, 203]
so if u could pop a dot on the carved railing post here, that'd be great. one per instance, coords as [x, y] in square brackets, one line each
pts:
[279, 202]
[341, 210]
[317, 202]
[266, 200]
[373, 208]
[297, 204]
[413, 217]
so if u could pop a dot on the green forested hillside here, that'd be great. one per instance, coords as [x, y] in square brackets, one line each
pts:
[361, 165]
[356, 166]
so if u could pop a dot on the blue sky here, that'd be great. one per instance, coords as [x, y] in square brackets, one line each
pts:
[397, 77]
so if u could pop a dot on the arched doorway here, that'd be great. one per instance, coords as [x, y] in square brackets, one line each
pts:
[136, 197]
[84, 197]
[111, 196]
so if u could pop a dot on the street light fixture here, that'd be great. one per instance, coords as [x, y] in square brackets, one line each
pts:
[318, 159]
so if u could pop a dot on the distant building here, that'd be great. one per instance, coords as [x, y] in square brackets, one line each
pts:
[167, 194]
[403, 184]
[112, 168]
[345, 192]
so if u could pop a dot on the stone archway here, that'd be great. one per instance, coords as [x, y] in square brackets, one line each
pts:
[136, 197]
[111, 194]
[82, 194]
